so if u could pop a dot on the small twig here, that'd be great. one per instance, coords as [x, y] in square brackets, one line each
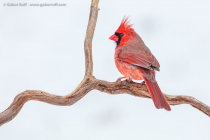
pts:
[90, 82]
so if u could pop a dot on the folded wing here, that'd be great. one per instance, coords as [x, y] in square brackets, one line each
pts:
[139, 55]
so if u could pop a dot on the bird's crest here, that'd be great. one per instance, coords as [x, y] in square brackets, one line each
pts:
[125, 26]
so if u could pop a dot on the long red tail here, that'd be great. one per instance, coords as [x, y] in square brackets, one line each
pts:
[157, 96]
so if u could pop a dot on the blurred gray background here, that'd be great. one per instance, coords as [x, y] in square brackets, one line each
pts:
[41, 48]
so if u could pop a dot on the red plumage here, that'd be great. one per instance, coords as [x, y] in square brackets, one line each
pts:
[135, 61]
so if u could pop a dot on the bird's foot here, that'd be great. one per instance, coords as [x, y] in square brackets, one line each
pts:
[129, 80]
[118, 81]
[142, 83]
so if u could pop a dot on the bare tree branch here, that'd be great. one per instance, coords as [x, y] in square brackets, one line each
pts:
[89, 37]
[141, 90]
[82, 89]
[90, 82]
[42, 96]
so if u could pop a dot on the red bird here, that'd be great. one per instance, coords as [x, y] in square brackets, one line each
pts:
[135, 61]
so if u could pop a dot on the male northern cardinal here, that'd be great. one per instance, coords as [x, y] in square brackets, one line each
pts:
[135, 61]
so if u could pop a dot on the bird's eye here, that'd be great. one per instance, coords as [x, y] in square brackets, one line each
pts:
[121, 35]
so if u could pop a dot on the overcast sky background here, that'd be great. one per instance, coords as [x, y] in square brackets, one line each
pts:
[41, 48]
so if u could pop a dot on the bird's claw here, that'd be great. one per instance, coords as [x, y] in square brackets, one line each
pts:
[143, 83]
[129, 81]
[118, 81]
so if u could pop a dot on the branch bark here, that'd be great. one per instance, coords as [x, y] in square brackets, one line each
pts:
[89, 83]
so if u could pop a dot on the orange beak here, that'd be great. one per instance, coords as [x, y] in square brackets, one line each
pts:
[113, 37]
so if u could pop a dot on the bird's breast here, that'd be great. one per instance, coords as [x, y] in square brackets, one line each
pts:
[126, 69]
